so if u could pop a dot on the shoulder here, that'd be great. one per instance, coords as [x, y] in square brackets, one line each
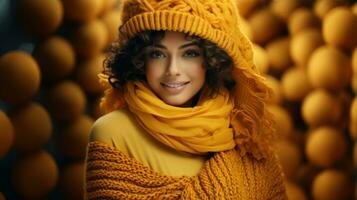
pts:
[267, 169]
[111, 127]
[267, 172]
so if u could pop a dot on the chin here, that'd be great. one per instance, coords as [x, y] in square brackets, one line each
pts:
[177, 102]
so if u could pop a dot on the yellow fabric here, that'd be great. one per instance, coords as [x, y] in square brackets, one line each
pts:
[227, 176]
[121, 130]
[198, 130]
[217, 21]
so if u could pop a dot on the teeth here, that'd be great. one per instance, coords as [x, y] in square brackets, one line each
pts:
[174, 85]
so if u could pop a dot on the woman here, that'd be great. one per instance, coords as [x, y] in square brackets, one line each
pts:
[186, 109]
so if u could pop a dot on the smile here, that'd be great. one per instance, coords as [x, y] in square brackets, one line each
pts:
[174, 85]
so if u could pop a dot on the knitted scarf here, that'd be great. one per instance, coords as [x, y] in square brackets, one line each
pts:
[239, 133]
[198, 130]
[226, 175]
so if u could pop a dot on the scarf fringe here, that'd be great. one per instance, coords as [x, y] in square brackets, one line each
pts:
[252, 123]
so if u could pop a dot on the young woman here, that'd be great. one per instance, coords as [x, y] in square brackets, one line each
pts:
[186, 113]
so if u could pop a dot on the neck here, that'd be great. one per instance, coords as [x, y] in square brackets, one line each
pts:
[192, 102]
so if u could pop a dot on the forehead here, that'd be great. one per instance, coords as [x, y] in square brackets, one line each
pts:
[173, 37]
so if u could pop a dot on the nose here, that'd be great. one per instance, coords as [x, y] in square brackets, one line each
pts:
[173, 68]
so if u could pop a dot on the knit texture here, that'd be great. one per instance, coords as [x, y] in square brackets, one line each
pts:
[113, 175]
[217, 21]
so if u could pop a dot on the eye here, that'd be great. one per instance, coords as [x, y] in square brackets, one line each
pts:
[192, 53]
[155, 54]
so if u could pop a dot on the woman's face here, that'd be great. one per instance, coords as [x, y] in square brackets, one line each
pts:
[174, 69]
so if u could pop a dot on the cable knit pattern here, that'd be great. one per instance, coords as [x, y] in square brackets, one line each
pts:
[226, 175]
[218, 13]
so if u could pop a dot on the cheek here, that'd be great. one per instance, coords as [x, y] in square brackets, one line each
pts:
[150, 75]
[198, 72]
[152, 71]
[149, 71]
[153, 74]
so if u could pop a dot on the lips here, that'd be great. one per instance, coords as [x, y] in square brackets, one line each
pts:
[174, 84]
[174, 88]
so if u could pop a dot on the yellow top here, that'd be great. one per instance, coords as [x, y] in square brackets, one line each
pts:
[120, 130]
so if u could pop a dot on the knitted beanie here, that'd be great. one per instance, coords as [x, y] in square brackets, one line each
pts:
[218, 22]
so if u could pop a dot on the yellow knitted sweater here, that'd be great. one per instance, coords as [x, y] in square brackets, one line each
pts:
[226, 175]
[250, 170]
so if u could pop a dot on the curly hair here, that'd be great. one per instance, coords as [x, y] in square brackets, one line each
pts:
[126, 62]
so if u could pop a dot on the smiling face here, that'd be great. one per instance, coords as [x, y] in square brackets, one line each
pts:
[174, 69]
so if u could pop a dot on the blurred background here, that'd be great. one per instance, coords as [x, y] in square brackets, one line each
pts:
[52, 50]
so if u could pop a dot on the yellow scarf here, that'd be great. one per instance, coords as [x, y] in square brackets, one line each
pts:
[198, 130]
[248, 136]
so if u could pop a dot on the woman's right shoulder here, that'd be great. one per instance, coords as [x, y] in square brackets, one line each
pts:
[111, 126]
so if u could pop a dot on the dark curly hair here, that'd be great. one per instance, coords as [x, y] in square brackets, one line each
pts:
[126, 62]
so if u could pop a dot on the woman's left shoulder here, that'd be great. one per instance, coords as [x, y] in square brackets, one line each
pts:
[265, 172]
[268, 158]
[111, 125]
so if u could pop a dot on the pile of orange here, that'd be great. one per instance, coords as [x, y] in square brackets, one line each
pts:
[307, 50]
[51, 94]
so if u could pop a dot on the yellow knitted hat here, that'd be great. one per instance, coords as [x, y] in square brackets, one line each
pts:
[217, 21]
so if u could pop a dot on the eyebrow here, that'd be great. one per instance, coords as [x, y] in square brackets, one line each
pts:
[181, 47]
